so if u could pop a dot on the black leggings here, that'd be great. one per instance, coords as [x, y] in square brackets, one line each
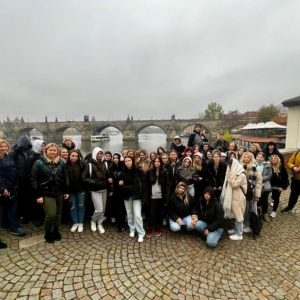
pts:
[263, 202]
[275, 196]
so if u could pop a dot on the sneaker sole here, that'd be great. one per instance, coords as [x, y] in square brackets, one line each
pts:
[18, 234]
[158, 234]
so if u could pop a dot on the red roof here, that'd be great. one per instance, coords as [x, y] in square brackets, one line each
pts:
[252, 139]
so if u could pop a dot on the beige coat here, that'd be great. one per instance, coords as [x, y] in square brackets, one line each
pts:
[258, 183]
[238, 204]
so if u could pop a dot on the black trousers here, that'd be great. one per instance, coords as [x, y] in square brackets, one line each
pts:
[118, 208]
[263, 201]
[275, 196]
[295, 193]
[24, 196]
[156, 212]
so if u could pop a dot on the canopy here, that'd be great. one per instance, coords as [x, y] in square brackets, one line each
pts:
[268, 125]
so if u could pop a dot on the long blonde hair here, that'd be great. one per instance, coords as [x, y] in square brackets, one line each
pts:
[197, 166]
[5, 142]
[249, 164]
[257, 146]
[184, 196]
[275, 167]
[56, 159]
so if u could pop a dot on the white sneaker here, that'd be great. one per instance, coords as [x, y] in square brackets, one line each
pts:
[272, 202]
[100, 228]
[141, 239]
[273, 214]
[247, 229]
[165, 222]
[93, 226]
[131, 234]
[80, 227]
[113, 220]
[231, 231]
[235, 237]
[74, 227]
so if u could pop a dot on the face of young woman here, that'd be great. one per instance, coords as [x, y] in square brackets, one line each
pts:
[241, 151]
[188, 154]
[128, 163]
[160, 151]
[253, 149]
[157, 163]
[173, 156]
[153, 156]
[177, 141]
[232, 156]
[247, 159]
[142, 156]
[187, 163]
[99, 155]
[181, 190]
[52, 152]
[73, 157]
[165, 159]
[125, 152]
[209, 155]
[116, 159]
[197, 159]
[3, 148]
[216, 159]
[231, 147]
[260, 158]
[43, 147]
[196, 150]
[131, 154]
[207, 196]
[107, 157]
[274, 160]
[63, 153]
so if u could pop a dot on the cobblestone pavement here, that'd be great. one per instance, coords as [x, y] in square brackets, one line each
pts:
[173, 266]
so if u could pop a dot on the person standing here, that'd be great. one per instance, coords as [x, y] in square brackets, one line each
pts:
[144, 161]
[176, 145]
[294, 165]
[199, 165]
[19, 154]
[75, 168]
[270, 150]
[255, 149]
[50, 184]
[197, 137]
[135, 192]
[70, 145]
[8, 193]
[222, 143]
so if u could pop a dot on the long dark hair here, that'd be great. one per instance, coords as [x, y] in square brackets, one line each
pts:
[100, 168]
[160, 148]
[75, 168]
[160, 172]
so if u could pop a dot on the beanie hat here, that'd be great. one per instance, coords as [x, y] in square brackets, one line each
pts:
[66, 138]
[108, 152]
[198, 154]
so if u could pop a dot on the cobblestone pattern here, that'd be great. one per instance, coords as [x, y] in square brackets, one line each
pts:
[173, 266]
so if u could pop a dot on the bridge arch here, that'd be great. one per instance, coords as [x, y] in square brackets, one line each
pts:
[59, 132]
[30, 131]
[3, 135]
[100, 128]
[139, 129]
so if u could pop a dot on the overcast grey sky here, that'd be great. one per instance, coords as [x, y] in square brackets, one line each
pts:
[145, 57]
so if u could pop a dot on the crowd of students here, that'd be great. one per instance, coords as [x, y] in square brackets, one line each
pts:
[194, 187]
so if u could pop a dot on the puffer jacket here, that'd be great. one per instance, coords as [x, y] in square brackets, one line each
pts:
[165, 186]
[49, 179]
[8, 175]
[266, 176]
[178, 148]
[77, 185]
[177, 209]
[188, 177]
[211, 213]
[93, 181]
[213, 179]
[223, 144]
[20, 157]
[135, 184]
[294, 161]
[116, 174]
[280, 180]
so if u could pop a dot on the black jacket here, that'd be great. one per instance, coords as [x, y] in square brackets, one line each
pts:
[179, 149]
[191, 141]
[281, 179]
[93, 181]
[116, 174]
[49, 179]
[213, 179]
[188, 177]
[73, 146]
[8, 175]
[135, 184]
[20, 157]
[178, 209]
[213, 213]
[275, 152]
[200, 185]
[33, 157]
[223, 144]
[165, 186]
[77, 185]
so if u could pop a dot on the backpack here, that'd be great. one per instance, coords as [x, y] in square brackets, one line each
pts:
[249, 195]
[255, 219]
[198, 140]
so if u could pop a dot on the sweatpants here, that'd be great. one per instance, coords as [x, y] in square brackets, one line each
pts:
[53, 210]
[99, 200]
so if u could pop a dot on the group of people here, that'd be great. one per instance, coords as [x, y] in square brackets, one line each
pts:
[193, 187]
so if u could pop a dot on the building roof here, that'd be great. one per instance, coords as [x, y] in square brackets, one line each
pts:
[252, 139]
[267, 125]
[291, 102]
[250, 114]
[16, 119]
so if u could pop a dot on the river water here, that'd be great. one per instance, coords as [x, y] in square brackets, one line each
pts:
[149, 142]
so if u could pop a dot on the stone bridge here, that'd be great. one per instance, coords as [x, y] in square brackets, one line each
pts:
[53, 131]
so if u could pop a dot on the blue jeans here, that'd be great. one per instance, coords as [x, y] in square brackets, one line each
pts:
[77, 210]
[174, 226]
[238, 228]
[212, 238]
[9, 216]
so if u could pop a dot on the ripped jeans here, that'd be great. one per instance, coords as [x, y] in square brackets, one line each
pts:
[77, 202]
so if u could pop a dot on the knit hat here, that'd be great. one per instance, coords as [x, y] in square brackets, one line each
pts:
[198, 154]
[66, 138]
[108, 152]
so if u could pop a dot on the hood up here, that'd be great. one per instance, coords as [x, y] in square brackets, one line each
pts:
[24, 140]
[37, 145]
[95, 152]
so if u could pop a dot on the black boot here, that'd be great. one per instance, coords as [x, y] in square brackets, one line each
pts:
[2, 245]
[49, 237]
[56, 234]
